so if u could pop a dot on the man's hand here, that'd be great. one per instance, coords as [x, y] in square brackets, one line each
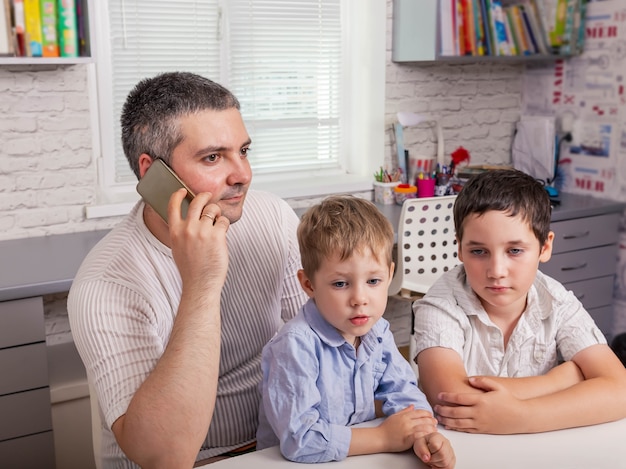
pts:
[495, 411]
[199, 241]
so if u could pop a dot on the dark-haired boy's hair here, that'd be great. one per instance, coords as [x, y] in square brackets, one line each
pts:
[510, 191]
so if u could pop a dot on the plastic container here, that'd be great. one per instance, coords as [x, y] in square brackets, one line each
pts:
[383, 192]
[404, 191]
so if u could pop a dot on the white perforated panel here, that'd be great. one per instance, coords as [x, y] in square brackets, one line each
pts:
[426, 243]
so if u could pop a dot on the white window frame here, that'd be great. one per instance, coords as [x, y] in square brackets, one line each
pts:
[364, 108]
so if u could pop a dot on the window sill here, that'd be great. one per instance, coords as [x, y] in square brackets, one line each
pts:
[287, 189]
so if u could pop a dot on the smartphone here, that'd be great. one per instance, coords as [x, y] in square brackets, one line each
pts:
[157, 186]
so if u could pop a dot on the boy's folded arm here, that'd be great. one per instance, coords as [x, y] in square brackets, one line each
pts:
[442, 370]
[557, 379]
[599, 398]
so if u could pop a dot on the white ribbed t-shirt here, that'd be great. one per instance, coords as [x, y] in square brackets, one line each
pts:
[124, 299]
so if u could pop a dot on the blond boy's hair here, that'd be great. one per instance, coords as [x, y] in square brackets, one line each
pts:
[343, 225]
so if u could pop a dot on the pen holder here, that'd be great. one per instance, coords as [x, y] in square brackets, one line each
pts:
[383, 192]
[426, 187]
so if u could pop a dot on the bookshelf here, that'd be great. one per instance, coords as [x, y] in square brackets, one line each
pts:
[416, 36]
[88, 53]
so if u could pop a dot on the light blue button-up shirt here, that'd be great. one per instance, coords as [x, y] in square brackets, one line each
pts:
[316, 385]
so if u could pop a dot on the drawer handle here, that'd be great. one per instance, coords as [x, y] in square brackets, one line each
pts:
[575, 267]
[577, 235]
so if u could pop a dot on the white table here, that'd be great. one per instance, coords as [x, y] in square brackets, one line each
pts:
[595, 447]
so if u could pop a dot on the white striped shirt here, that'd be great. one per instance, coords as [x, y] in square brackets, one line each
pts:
[554, 326]
[125, 296]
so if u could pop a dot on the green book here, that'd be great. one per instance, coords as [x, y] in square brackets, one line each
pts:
[68, 28]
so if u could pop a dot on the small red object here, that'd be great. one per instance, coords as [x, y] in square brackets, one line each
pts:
[459, 155]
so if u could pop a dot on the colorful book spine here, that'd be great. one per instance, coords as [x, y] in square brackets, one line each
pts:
[558, 27]
[20, 27]
[535, 26]
[49, 38]
[468, 22]
[500, 29]
[460, 28]
[6, 35]
[529, 29]
[68, 28]
[486, 25]
[509, 34]
[520, 31]
[32, 22]
[479, 27]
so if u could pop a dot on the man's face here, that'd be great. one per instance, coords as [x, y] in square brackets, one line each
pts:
[212, 157]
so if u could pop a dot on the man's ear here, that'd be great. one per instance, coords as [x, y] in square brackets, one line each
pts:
[144, 163]
[306, 283]
[546, 249]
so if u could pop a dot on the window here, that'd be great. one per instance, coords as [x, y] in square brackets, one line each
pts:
[309, 75]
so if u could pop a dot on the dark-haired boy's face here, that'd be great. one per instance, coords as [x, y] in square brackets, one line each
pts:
[501, 255]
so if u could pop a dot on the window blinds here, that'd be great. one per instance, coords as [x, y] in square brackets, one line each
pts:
[281, 58]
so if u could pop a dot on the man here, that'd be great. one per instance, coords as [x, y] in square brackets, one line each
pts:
[170, 319]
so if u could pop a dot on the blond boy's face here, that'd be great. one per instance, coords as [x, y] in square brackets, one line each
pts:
[350, 294]
[501, 256]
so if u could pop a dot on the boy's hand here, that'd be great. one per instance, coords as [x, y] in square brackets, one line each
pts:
[435, 450]
[496, 411]
[402, 428]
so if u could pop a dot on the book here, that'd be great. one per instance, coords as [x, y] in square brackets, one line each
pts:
[529, 30]
[468, 28]
[519, 30]
[557, 27]
[536, 28]
[49, 38]
[509, 34]
[486, 27]
[446, 28]
[6, 29]
[479, 27]
[32, 23]
[20, 28]
[68, 28]
[460, 28]
[497, 17]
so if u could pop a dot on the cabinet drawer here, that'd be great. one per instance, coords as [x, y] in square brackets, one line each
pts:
[25, 413]
[34, 451]
[582, 265]
[603, 318]
[23, 368]
[594, 292]
[21, 322]
[581, 233]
